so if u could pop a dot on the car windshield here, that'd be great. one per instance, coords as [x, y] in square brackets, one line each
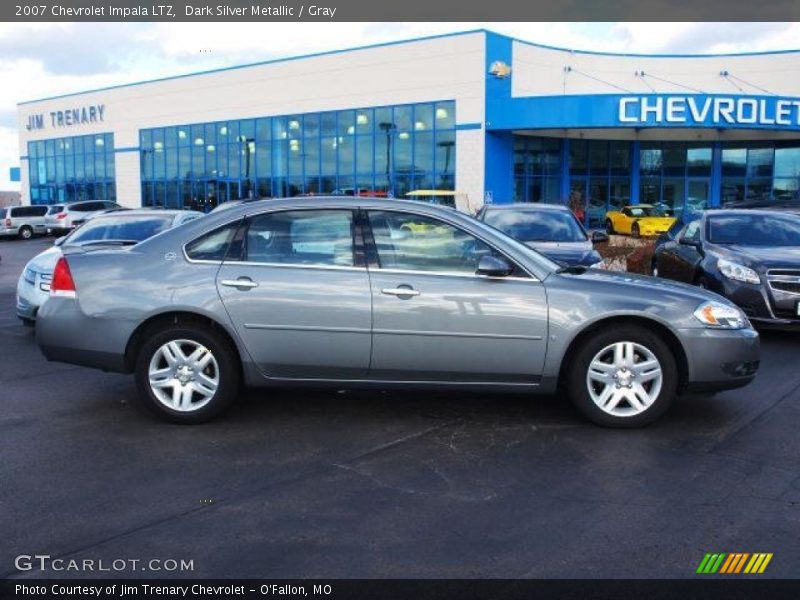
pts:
[649, 211]
[537, 226]
[120, 228]
[755, 229]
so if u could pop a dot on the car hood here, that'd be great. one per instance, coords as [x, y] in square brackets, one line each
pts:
[761, 257]
[45, 262]
[567, 253]
[654, 289]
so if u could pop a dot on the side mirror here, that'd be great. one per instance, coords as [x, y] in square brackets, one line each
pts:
[690, 242]
[60, 240]
[494, 266]
[599, 237]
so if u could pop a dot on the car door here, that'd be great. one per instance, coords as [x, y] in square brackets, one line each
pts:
[434, 319]
[623, 224]
[298, 294]
[686, 257]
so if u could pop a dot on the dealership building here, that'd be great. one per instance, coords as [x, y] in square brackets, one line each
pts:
[494, 118]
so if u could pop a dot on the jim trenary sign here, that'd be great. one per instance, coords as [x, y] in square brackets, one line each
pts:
[79, 115]
[707, 111]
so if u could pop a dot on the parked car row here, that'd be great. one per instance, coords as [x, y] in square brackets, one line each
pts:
[385, 293]
[26, 221]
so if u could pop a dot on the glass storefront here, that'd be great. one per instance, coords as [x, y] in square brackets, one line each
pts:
[383, 151]
[72, 168]
[595, 176]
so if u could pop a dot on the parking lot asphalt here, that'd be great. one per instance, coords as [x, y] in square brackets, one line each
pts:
[370, 484]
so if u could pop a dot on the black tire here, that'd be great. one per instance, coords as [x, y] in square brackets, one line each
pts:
[25, 233]
[227, 369]
[609, 227]
[654, 267]
[578, 388]
[635, 232]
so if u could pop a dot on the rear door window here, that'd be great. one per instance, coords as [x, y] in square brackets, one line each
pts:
[302, 237]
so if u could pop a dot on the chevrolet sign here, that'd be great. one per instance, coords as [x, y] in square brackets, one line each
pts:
[709, 110]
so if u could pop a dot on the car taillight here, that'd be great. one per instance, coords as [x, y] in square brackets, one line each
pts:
[61, 215]
[62, 284]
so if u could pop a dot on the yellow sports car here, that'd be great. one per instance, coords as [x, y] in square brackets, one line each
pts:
[639, 219]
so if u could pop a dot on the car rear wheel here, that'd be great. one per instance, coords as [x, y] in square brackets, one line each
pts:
[623, 377]
[635, 231]
[187, 374]
[609, 227]
[25, 232]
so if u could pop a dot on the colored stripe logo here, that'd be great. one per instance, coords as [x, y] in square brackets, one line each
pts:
[733, 563]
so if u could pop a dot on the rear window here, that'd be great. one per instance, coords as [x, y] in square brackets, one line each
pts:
[55, 209]
[120, 229]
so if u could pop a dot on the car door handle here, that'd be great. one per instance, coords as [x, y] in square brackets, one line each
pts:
[400, 291]
[243, 283]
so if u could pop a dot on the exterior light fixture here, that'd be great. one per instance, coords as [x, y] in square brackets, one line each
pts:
[351, 130]
[211, 148]
[223, 130]
[294, 124]
[199, 141]
[441, 113]
[361, 119]
[99, 142]
[404, 135]
[419, 125]
[158, 146]
[181, 134]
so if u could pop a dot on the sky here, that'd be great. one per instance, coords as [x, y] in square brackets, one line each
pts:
[38, 60]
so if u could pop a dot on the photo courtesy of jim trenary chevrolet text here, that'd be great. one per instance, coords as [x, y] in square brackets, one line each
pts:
[370, 300]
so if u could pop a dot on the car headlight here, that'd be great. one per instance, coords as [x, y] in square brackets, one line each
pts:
[737, 272]
[600, 264]
[721, 316]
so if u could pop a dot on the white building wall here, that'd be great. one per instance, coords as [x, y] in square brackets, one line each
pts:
[446, 68]
[539, 71]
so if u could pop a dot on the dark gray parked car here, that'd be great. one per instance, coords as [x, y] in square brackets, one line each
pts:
[551, 229]
[368, 292]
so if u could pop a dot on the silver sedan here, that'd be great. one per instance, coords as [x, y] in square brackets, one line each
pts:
[383, 293]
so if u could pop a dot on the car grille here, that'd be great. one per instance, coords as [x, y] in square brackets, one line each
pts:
[784, 280]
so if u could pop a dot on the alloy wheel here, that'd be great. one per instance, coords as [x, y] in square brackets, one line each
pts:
[183, 375]
[624, 379]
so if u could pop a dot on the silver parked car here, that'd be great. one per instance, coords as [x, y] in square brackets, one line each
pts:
[75, 213]
[117, 229]
[386, 293]
[22, 221]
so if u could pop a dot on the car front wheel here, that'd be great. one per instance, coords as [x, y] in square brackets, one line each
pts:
[623, 377]
[187, 374]
[635, 231]
[25, 232]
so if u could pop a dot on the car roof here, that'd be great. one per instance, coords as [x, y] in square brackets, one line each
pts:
[527, 206]
[155, 212]
[746, 212]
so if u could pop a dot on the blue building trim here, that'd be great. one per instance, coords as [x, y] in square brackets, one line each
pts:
[468, 126]
[635, 172]
[595, 111]
[499, 145]
[715, 192]
[127, 149]
[564, 173]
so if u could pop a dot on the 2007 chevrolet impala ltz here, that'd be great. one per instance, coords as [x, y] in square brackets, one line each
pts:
[368, 292]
